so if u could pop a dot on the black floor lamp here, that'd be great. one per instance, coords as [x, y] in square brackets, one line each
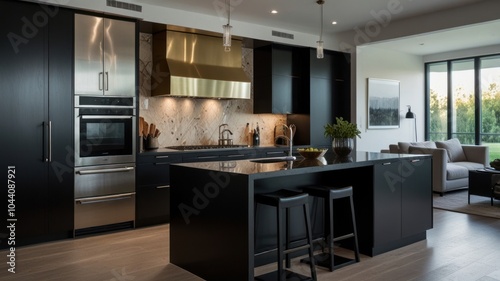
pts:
[411, 115]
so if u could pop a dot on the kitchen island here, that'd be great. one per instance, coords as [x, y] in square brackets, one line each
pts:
[213, 233]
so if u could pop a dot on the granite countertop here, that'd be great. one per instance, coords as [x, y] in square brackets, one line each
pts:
[300, 165]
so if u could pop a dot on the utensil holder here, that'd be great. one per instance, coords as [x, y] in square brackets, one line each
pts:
[151, 143]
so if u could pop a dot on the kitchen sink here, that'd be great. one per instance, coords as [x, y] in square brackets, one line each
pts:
[209, 146]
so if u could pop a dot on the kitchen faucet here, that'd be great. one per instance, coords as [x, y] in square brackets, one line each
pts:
[224, 141]
[290, 128]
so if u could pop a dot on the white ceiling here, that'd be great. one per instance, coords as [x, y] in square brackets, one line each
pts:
[304, 16]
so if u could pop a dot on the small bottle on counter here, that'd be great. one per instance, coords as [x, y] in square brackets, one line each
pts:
[256, 138]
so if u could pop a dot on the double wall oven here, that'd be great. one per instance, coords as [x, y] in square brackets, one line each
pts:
[105, 130]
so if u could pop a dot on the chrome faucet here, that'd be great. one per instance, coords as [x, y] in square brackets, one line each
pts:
[224, 141]
[290, 128]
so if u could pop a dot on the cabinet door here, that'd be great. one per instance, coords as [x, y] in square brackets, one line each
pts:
[61, 183]
[387, 203]
[416, 176]
[119, 58]
[89, 72]
[153, 205]
[23, 116]
[321, 110]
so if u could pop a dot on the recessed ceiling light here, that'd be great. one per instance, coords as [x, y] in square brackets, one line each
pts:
[334, 22]
[274, 11]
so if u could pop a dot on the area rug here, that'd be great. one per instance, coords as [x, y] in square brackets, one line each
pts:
[457, 202]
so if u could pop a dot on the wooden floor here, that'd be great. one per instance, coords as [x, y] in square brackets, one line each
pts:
[460, 247]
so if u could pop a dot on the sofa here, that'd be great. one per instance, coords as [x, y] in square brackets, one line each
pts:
[451, 161]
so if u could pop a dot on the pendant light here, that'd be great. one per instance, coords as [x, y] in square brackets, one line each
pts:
[319, 46]
[226, 30]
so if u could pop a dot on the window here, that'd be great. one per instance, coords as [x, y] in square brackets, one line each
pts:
[463, 101]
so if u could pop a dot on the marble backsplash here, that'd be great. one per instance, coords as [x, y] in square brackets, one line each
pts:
[194, 121]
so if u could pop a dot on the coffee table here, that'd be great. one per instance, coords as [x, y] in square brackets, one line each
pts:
[481, 182]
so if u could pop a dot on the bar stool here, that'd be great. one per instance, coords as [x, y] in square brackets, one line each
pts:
[284, 200]
[329, 194]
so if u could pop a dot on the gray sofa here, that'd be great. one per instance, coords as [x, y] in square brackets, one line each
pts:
[451, 161]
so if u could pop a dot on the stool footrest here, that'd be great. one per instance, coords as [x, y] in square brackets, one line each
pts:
[295, 249]
[323, 260]
[350, 235]
[273, 276]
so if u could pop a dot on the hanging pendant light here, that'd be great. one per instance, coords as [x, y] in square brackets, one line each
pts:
[226, 30]
[319, 44]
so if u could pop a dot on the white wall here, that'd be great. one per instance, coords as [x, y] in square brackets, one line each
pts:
[373, 62]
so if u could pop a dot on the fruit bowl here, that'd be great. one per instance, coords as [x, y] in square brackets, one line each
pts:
[312, 153]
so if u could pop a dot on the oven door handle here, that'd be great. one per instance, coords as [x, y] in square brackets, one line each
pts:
[102, 199]
[106, 116]
[102, 171]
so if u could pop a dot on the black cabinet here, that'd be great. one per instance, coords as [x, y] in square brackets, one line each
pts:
[278, 74]
[153, 188]
[402, 203]
[37, 119]
[326, 85]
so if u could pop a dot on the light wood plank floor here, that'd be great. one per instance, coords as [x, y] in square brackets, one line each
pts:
[460, 247]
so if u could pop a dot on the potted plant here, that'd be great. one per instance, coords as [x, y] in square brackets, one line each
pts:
[342, 134]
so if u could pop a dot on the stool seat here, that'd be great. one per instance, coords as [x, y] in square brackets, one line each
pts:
[330, 194]
[285, 199]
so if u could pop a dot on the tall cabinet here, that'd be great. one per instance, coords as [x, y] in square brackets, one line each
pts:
[36, 117]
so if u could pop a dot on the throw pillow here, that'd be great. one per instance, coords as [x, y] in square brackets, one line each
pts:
[454, 149]
[404, 146]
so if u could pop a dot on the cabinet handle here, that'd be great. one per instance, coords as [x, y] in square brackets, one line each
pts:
[207, 157]
[102, 199]
[101, 81]
[415, 160]
[107, 81]
[103, 171]
[162, 163]
[50, 142]
[163, 186]
[274, 152]
[386, 163]
[162, 156]
[236, 155]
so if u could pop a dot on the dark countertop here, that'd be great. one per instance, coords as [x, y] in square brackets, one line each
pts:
[300, 165]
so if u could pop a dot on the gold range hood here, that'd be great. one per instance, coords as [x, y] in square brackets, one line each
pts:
[196, 65]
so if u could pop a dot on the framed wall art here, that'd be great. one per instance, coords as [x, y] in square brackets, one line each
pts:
[383, 103]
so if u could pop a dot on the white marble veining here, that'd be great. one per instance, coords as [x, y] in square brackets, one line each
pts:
[187, 121]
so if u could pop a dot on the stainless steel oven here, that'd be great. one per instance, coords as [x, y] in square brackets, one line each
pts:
[105, 129]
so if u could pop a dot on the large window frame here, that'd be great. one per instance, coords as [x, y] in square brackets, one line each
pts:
[477, 96]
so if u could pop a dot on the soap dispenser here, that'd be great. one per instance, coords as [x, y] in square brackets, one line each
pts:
[256, 138]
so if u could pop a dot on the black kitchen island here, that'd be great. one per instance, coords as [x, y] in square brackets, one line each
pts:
[212, 229]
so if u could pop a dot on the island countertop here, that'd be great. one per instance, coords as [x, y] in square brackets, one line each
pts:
[264, 167]
[214, 232]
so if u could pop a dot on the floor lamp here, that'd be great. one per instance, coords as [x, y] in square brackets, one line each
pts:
[411, 115]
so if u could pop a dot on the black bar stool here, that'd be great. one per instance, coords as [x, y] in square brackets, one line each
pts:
[329, 194]
[284, 200]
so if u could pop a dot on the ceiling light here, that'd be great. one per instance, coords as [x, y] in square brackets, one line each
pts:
[274, 12]
[226, 30]
[334, 22]
[319, 46]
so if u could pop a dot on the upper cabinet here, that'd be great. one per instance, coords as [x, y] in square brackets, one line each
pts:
[105, 51]
[278, 79]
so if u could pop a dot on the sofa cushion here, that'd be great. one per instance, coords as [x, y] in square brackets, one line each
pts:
[469, 165]
[454, 149]
[404, 146]
[454, 171]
